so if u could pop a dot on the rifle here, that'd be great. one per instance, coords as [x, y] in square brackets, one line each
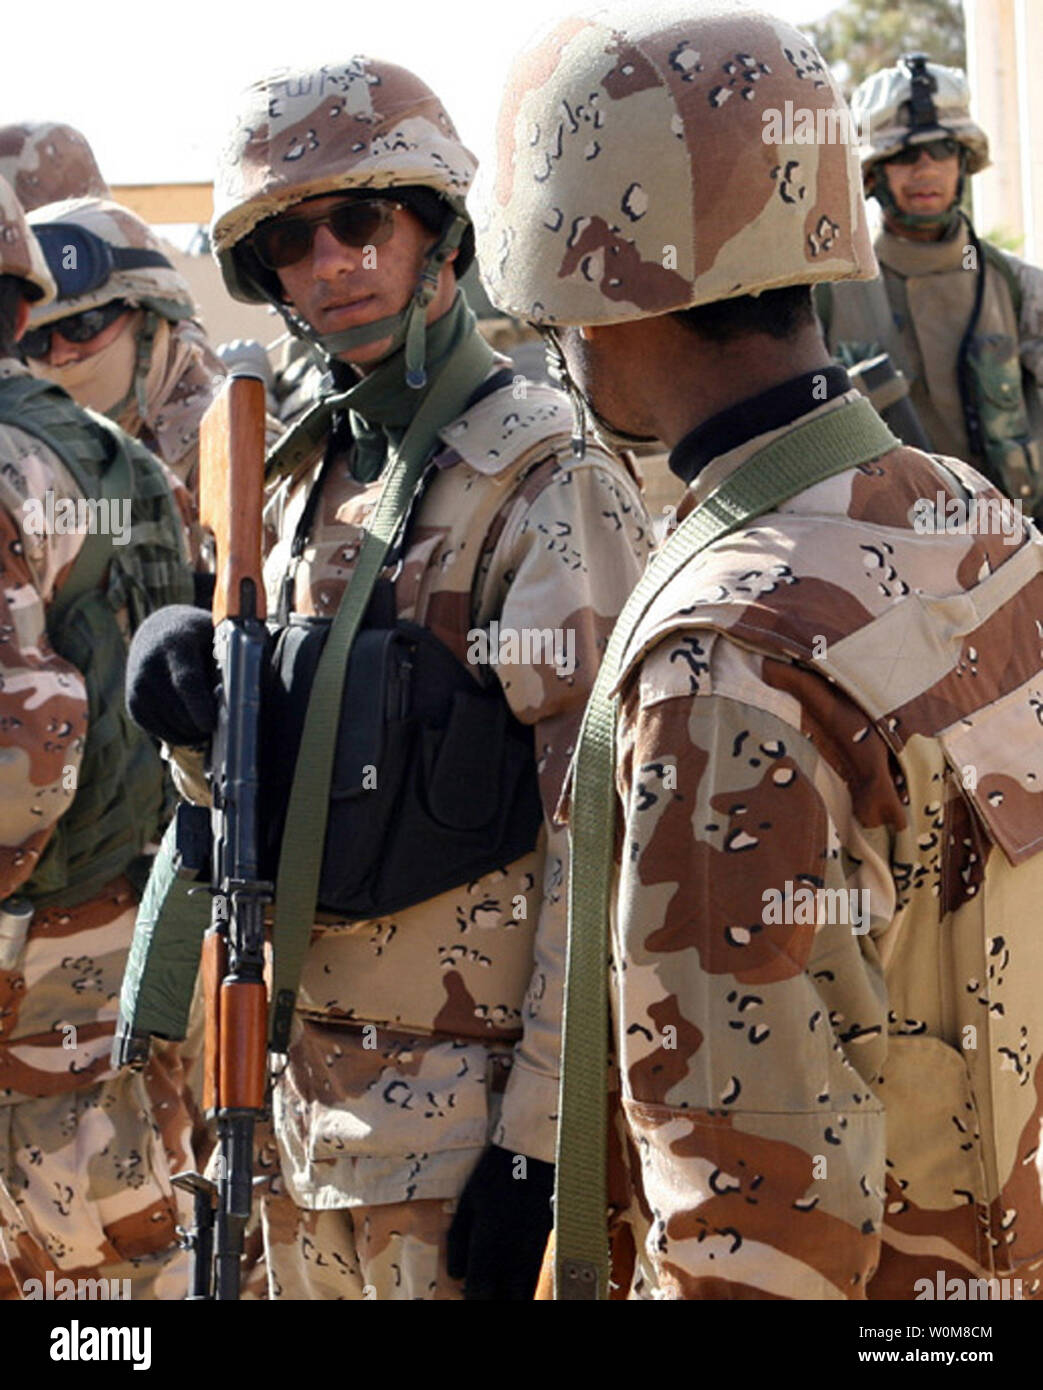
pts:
[232, 447]
[888, 391]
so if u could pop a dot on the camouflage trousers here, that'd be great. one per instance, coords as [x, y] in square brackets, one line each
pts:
[85, 1189]
[392, 1251]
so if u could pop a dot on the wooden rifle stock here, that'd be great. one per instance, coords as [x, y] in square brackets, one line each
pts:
[232, 448]
[231, 490]
[545, 1283]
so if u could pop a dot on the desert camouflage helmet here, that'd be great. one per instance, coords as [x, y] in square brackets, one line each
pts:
[141, 273]
[888, 116]
[642, 165]
[20, 252]
[300, 133]
[47, 163]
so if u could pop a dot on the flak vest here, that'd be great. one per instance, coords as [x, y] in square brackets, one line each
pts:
[970, 396]
[499, 444]
[434, 780]
[122, 794]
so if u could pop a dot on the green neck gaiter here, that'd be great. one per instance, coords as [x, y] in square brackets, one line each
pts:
[381, 406]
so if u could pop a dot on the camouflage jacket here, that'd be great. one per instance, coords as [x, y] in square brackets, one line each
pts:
[825, 953]
[464, 989]
[58, 993]
[928, 300]
[183, 379]
[44, 698]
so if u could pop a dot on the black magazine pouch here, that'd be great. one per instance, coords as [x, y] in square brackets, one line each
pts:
[434, 780]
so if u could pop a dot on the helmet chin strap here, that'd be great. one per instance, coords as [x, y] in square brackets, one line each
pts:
[136, 392]
[607, 434]
[948, 220]
[407, 326]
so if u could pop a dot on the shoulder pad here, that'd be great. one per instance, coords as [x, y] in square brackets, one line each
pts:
[670, 611]
[732, 582]
[504, 427]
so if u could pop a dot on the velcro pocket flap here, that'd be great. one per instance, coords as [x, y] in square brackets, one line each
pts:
[997, 755]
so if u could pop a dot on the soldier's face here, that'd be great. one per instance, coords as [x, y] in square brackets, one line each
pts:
[336, 286]
[927, 187]
[64, 351]
[601, 362]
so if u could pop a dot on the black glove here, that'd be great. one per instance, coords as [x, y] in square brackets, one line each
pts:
[500, 1229]
[171, 676]
[203, 586]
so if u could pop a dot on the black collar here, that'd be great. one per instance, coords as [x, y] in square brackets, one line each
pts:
[778, 406]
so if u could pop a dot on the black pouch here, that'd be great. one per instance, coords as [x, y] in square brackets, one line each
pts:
[434, 780]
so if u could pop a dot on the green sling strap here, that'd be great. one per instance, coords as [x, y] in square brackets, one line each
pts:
[830, 444]
[301, 441]
[300, 857]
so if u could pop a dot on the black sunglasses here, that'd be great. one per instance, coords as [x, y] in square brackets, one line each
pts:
[284, 241]
[74, 328]
[936, 149]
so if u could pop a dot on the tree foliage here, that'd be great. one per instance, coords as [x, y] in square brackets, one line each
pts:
[862, 36]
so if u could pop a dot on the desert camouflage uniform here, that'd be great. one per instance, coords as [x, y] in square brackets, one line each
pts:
[45, 162]
[183, 372]
[52, 169]
[85, 1154]
[178, 381]
[825, 698]
[422, 1036]
[55, 175]
[835, 1115]
[379, 1126]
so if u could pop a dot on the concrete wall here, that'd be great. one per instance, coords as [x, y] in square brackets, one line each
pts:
[224, 317]
[1004, 41]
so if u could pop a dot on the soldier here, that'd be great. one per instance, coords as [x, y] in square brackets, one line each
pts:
[422, 1071]
[122, 336]
[961, 318]
[47, 162]
[91, 543]
[826, 742]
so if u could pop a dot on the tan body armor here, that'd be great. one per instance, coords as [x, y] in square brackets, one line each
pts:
[919, 310]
